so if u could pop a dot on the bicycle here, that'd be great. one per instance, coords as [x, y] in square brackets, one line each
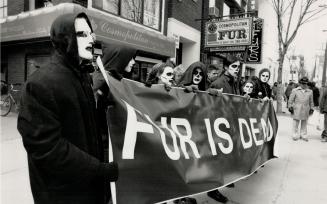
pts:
[7, 100]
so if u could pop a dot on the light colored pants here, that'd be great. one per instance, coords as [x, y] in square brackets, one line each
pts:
[303, 129]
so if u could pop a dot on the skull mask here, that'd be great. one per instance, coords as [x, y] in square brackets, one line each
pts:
[248, 88]
[167, 76]
[197, 76]
[234, 68]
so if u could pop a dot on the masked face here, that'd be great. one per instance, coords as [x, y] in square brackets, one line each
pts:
[264, 77]
[248, 88]
[197, 76]
[234, 68]
[167, 76]
[129, 67]
[85, 39]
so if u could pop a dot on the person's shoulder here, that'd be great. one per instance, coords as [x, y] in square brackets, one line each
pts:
[218, 82]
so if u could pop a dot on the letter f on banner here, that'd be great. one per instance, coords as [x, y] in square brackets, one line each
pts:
[132, 128]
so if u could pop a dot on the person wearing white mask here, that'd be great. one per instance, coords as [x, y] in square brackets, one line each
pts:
[57, 121]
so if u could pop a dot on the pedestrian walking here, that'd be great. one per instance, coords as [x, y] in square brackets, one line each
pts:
[323, 110]
[288, 91]
[301, 106]
[274, 91]
[315, 92]
[58, 125]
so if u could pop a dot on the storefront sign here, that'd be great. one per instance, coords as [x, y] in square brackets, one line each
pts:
[234, 32]
[37, 24]
[254, 50]
[227, 48]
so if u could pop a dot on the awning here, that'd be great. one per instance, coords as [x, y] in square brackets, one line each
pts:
[37, 24]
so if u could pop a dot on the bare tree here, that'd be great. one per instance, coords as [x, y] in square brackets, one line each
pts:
[288, 24]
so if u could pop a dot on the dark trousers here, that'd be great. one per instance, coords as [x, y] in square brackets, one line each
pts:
[324, 133]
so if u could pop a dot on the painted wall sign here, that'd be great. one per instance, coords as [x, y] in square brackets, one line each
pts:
[254, 51]
[234, 32]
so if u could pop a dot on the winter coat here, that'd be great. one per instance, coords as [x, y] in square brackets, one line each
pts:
[187, 78]
[301, 102]
[289, 91]
[316, 96]
[323, 100]
[59, 129]
[227, 83]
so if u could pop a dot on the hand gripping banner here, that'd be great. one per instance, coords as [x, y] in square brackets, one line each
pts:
[173, 144]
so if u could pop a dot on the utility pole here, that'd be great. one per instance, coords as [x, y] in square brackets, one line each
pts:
[323, 80]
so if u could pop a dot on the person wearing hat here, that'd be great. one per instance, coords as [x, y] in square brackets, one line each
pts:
[301, 106]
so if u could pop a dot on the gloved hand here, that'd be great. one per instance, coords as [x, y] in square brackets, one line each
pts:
[311, 111]
[191, 88]
[109, 171]
[215, 92]
[291, 110]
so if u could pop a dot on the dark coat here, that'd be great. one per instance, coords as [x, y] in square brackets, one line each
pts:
[316, 96]
[59, 128]
[187, 78]
[323, 100]
[227, 83]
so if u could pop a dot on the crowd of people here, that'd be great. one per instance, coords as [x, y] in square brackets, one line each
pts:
[62, 118]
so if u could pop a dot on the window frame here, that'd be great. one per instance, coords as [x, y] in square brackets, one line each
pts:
[4, 8]
[119, 13]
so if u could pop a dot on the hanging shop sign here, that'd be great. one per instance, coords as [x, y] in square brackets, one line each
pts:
[236, 32]
[254, 51]
[227, 48]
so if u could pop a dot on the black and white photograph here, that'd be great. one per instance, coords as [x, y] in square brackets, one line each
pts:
[163, 101]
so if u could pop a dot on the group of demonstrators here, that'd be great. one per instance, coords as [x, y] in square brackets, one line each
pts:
[62, 118]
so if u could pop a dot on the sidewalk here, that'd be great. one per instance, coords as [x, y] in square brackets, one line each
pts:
[298, 176]
[15, 187]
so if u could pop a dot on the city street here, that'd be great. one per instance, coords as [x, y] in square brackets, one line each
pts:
[297, 176]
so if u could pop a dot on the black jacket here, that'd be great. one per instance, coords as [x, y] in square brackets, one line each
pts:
[228, 83]
[187, 78]
[59, 128]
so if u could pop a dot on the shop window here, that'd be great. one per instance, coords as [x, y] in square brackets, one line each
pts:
[4, 69]
[146, 12]
[3, 8]
[111, 6]
[34, 62]
[132, 10]
[141, 71]
[151, 16]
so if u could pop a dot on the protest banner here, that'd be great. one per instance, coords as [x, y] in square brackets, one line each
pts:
[173, 144]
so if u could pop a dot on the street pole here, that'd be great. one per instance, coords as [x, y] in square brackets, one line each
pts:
[323, 81]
